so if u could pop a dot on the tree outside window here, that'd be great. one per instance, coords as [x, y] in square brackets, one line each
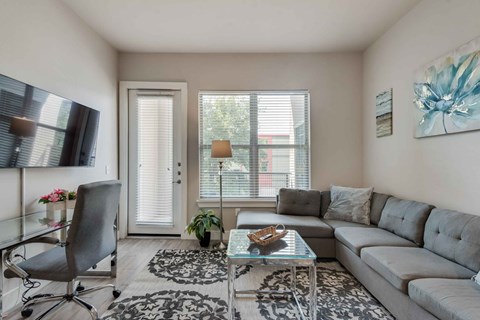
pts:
[270, 141]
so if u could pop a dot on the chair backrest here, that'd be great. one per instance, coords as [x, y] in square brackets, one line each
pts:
[92, 236]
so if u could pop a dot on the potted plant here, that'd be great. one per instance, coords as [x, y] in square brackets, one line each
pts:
[59, 199]
[202, 225]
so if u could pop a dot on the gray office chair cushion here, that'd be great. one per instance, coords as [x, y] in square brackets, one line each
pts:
[49, 265]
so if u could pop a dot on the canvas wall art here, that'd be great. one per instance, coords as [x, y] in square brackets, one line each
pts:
[383, 113]
[447, 93]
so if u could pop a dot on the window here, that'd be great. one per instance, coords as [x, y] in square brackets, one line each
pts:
[269, 133]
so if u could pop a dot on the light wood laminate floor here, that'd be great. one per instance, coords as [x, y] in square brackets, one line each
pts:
[133, 256]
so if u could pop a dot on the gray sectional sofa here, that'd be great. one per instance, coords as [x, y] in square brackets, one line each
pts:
[417, 260]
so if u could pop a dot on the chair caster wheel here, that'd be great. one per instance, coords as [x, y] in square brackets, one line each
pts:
[116, 293]
[80, 288]
[27, 312]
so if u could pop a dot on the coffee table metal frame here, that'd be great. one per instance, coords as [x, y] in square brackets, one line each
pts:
[308, 260]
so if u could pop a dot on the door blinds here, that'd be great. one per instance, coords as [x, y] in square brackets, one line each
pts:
[154, 192]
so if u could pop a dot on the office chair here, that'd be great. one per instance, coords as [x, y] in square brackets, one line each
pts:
[90, 239]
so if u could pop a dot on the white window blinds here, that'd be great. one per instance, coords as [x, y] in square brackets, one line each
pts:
[154, 114]
[269, 133]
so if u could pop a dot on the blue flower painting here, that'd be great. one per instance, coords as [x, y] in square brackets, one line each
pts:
[447, 93]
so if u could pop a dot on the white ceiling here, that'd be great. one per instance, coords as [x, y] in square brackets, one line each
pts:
[240, 25]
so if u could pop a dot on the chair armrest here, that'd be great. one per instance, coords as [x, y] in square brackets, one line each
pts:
[47, 240]
[7, 258]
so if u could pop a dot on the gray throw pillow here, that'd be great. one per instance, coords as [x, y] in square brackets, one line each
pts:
[349, 204]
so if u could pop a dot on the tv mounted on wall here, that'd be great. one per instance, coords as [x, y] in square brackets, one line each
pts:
[40, 129]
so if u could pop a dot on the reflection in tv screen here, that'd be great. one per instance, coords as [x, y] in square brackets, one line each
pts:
[41, 129]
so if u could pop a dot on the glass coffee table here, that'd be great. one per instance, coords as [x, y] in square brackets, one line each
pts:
[291, 251]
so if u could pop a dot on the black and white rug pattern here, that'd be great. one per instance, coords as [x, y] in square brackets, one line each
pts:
[192, 266]
[192, 284]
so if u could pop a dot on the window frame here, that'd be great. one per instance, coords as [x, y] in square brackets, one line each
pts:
[254, 147]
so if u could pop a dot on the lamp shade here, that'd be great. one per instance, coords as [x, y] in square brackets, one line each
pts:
[23, 127]
[221, 149]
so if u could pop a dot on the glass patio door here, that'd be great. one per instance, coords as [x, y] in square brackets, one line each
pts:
[155, 166]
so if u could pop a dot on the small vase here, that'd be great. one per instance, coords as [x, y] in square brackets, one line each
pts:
[61, 205]
[205, 242]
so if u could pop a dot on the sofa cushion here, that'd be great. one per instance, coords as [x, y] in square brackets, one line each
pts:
[454, 236]
[324, 202]
[358, 238]
[405, 218]
[349, 204]
[342, 224]
[306, 226]
[299, 202]
[377, 204]
[376, 207]
[447, 298]
[401, 265]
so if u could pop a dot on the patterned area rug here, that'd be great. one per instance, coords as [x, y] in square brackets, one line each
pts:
[192, 284]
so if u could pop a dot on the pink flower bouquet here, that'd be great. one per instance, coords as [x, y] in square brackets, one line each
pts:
[58, 195]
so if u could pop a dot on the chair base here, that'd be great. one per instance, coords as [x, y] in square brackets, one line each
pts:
[72, 295]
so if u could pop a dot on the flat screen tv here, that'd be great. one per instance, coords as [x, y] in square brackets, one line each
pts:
[40, 129]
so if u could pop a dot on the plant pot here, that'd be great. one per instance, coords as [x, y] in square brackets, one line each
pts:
[205, 242]
[61, 205]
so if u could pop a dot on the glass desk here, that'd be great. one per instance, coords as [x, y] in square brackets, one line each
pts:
[17, 231]
[291, 251]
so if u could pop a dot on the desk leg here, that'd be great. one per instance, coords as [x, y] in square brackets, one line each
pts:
[313, 292]
[294, 279]
[113, 264]
[1, 284]
[231, 290]
[63, 231]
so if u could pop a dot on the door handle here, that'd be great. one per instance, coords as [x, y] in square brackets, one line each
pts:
[178, 181]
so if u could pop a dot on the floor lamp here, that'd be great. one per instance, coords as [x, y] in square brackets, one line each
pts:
[221, 149]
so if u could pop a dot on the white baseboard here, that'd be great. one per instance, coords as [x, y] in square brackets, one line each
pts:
[215, 236]
[12, 299]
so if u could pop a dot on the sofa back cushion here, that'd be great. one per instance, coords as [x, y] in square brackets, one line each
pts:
[454, 236]
[405, 218]
[376, 205]
[324, 202]
[299, 202]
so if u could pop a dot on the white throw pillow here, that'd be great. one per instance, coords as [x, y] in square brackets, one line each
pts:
[349, 204]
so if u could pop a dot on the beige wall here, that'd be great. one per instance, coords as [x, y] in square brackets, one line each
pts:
[44, 44]
[444, 170]
[334, 81]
